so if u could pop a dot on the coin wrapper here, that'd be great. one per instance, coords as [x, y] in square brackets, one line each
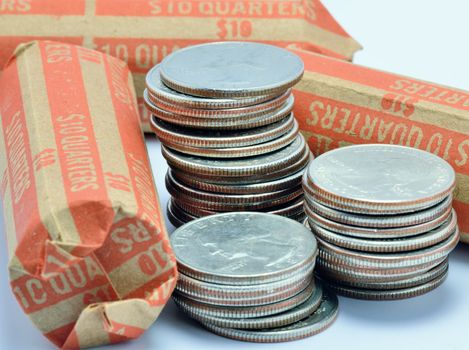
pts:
[338, 103]
[143, 32]
[90, 261]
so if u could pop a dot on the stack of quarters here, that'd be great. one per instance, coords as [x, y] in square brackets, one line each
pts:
[383, 218]
[223, 113]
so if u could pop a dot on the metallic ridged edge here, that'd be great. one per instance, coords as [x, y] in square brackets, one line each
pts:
[197, 288]
[265, 134]
[254, 110]
[277, 320]
[283, 183]
[221, 300]
[198, 169]
[422, 278]
[287, 209]
[196, 102]
[397, 294]
[385, 261]
[260, 177]
[236, 152]
[332, 270]
[226, 198]
[359, 232]
[362, 206]
[219, 124]
[227, 94]
[227, 206]
[244, 312]
[408, 219]
[424, 240]
[248, 280]
[282, 334]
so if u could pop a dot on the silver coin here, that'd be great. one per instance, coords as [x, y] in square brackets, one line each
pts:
[251, 248]
[226, 199]
[348, 257]
[258, 110]
[371, 294]
[378, 232]
[235, 204]
[174, 218]
[231, 69]
[424, 240]
[380, 178]
[168, 132]
[163, 93]
[277, 320]
[257, 300]
[241, 167]
[442, 208]
[289, 181]
[227, 123]
[315, 323]
[400, 284]
[289, 209]
[200, 289]
[340, 273]
[204, 309]
[237, 152]
[256, 178]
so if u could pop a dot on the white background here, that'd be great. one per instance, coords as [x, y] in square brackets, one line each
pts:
[426, 39]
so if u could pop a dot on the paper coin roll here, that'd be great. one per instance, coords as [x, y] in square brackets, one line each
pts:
[90, 261]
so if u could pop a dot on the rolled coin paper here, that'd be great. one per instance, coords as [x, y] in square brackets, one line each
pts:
[144, 32]
[338, 104]
[90, 260]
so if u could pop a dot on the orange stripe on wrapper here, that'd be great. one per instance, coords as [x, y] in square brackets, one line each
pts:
[409, 87]
[42, 7]
[76, 145]
[9, 43]
[20, 173]
[332, 123]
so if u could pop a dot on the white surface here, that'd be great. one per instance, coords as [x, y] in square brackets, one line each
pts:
[425, 39]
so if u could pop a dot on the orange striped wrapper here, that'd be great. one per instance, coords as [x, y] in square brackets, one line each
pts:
[142, 32]
[338, 103]
[90, 260]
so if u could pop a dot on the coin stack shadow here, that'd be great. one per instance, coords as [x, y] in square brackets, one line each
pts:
[254, 288]
[384, 232]
[238, 154]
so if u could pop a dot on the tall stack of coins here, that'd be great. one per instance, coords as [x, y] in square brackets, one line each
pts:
[223, 113]
[249, 276]
[383, 218]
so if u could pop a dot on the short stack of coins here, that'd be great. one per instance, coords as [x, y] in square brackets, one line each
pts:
[383, 218]
[223, 113]
[249, 276]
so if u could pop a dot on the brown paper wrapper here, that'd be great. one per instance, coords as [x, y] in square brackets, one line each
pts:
[338, 103]
[90, 261]
[143, 32]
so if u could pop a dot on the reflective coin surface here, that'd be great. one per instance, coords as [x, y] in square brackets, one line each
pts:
[284, 318]
[315, 323]
[243, 311]
[160, 92]
[263, 164]
[242, 248]
[168, 132]
[371, 294]
[238, 152]
[376, 178]
[414, 242]
[442, 208]
[231, 69]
